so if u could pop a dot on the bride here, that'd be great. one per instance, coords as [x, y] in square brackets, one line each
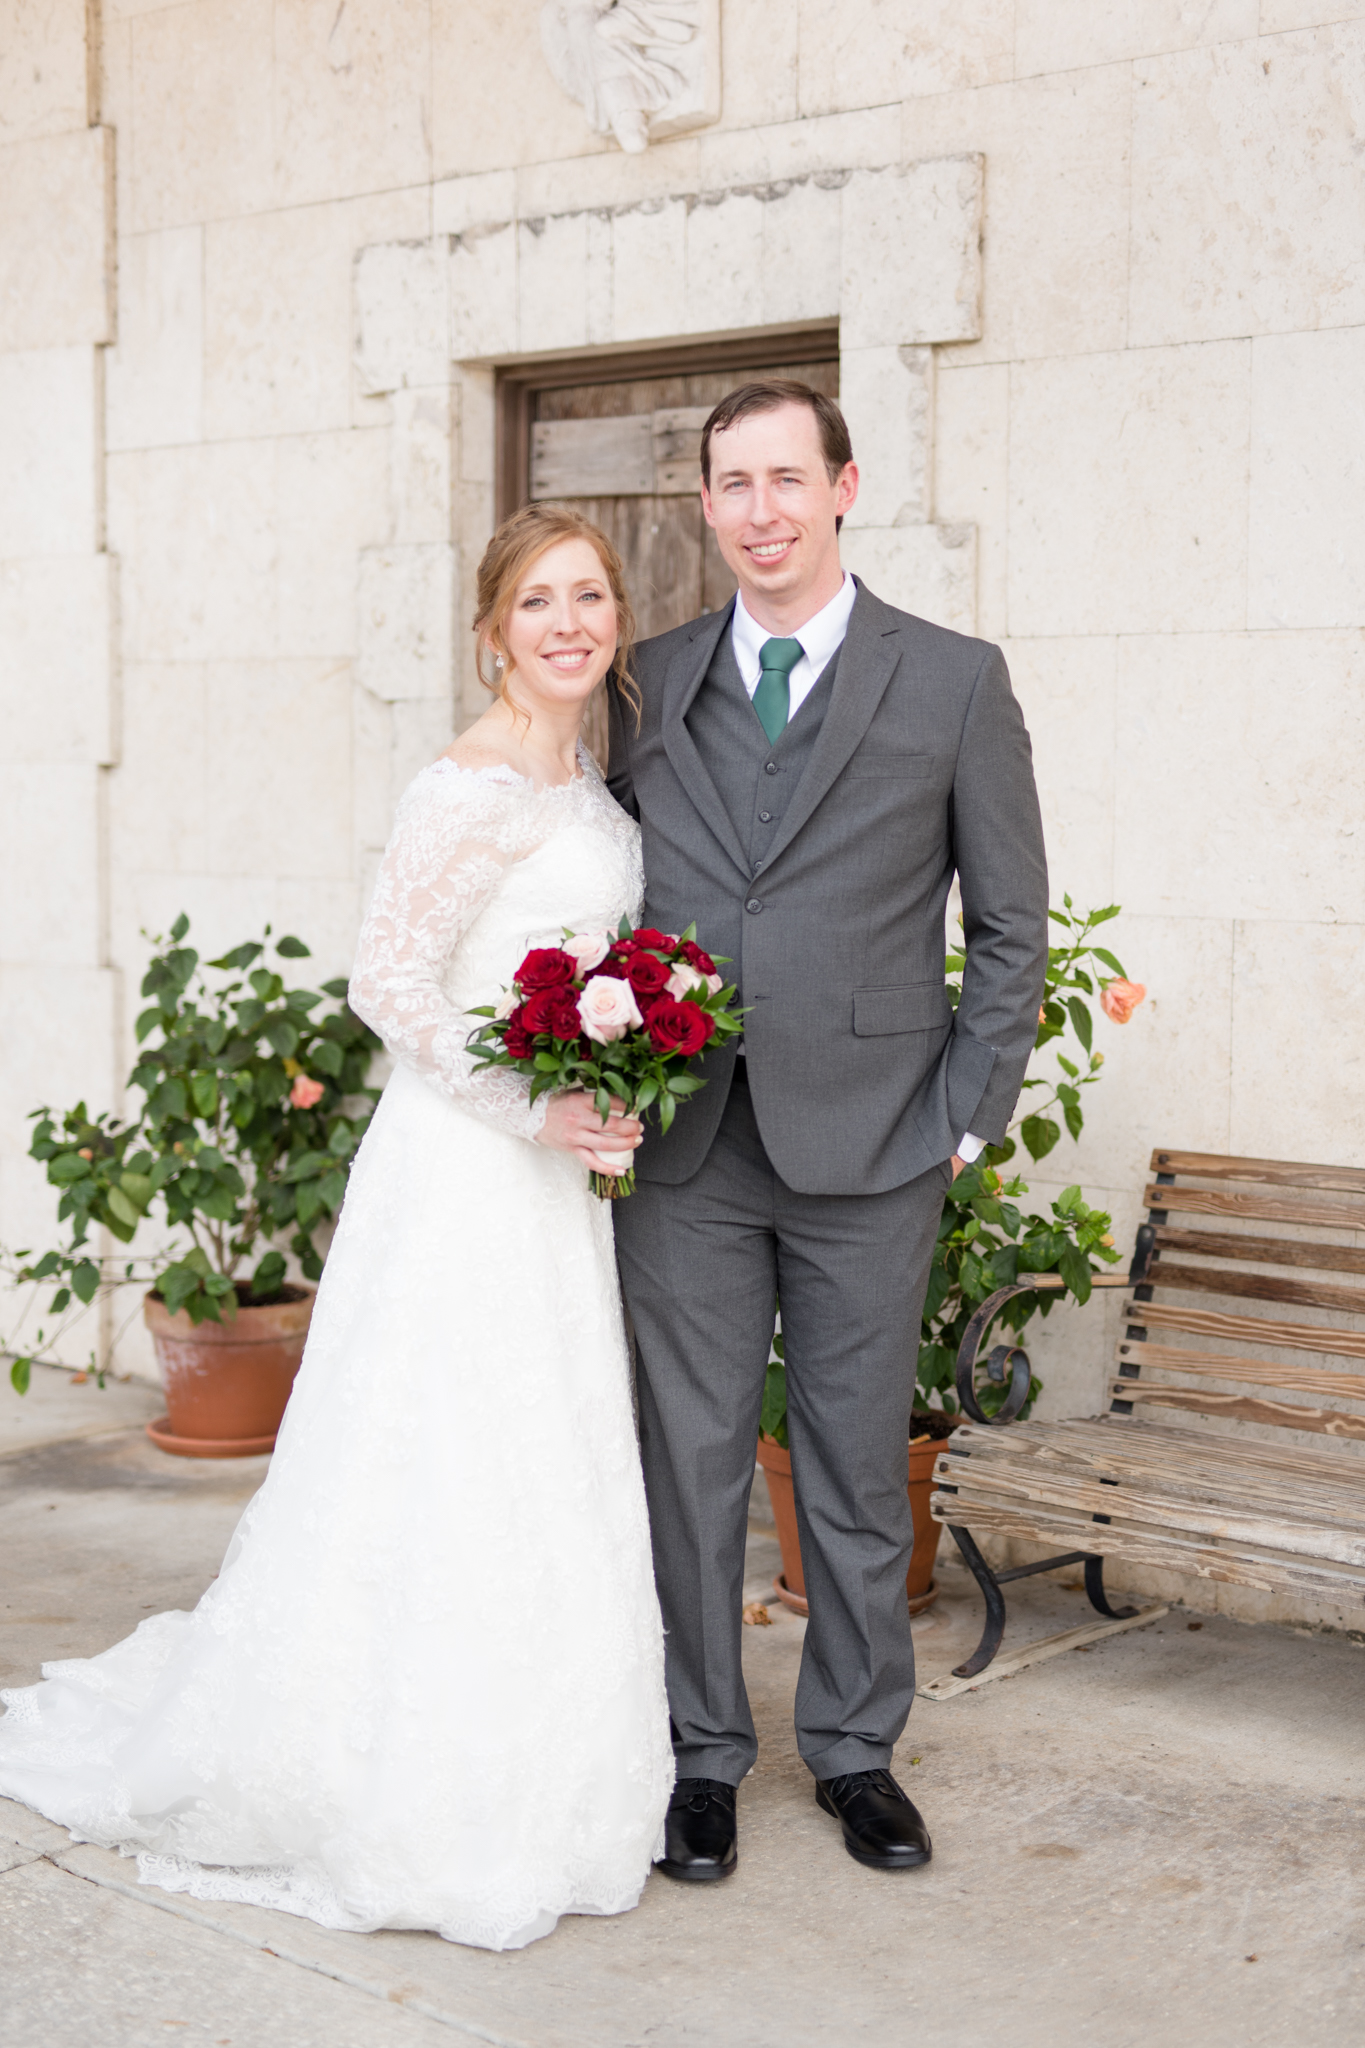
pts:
[426, 1690]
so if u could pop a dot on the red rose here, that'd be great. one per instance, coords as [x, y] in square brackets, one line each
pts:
[693, 955]
[545, 967]
[554, 1010]
[615, 965]
[647, 974]
[517, 1039]
[647, 936]
[679, 1027]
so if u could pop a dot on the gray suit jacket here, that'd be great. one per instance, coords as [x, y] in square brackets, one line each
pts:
[861, 1075]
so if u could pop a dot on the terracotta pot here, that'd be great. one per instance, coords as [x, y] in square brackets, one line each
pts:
[920, 1590]
[227, 1384]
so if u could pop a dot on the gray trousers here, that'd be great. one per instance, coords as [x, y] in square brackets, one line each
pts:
[702, 1266]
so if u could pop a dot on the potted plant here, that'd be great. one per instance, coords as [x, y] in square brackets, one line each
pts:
[984, 1242]
[254, 1101]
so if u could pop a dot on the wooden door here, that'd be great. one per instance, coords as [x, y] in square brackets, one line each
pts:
[627, 453]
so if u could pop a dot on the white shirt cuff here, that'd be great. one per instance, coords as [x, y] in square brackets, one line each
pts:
[970, 1148]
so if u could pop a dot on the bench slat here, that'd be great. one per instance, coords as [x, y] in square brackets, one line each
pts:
[1207, 1322]
[1222, 1567]
[1270, 1251]
[1244, 1407]
[1258, 1208]
[1277, 1173]
[1257, 1286]
[1261, 1372]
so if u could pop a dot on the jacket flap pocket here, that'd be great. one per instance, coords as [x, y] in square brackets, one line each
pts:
[920, 1006]
[868, 761]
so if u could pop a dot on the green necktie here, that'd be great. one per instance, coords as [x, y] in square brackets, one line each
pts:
[777, 659]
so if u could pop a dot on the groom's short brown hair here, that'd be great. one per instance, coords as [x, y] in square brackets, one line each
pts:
[768, 395]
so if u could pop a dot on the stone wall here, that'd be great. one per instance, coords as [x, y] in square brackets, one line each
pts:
[1101, 289]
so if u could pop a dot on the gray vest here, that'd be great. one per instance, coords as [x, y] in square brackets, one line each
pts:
[756, 779]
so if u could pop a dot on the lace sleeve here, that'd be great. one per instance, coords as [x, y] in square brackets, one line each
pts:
[453, 838]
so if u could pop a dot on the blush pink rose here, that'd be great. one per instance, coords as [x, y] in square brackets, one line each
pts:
[1120, 998]
[683, 980]
[306, 1093]
[608, 1009]
[588, 949]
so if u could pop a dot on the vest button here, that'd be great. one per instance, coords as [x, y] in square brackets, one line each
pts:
[770, 767]
[753, 906]
[765, 817]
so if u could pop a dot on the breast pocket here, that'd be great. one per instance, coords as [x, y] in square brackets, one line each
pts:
[917, 1006]
[869, 763]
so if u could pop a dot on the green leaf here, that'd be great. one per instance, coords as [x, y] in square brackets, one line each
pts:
[85, 1280]
[169, 1101]
[180, 927]
[1039, 1134]
[332, 1188]
[1075, 1270]
[148, 1021]
[1103, 916]
[239, 957]
[138, 1188]
[685, 1084]
[47, 1265]
[1075, 1122]
[121, 1208]
[668, 1109]
[1080, 1019]
[290, 948]
[20, 1373]
[204, 1089]
[61, 1301]
[336, 989]
[306, 1166]
[773, 1415]
[327, 1057]
[1109, 961]
[283, 1036]
[66, 1168]
[269, 1275]
[309, 1204]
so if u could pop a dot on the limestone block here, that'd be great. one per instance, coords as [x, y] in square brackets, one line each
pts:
[759, 65]
[49, 453]
[402, 316]
[724, 243]
[371, 779]
[57, 1024]
[56, 648]
[353, 104]
[828, 144]
[197, 534]
[1298, 1082]
[160, 799]
[911, 254]
[225, 909]
[407, 601]
[649, 271]
[1067, 691]
[473, 201]
[475, 390]
[899, 49]
[49, 856]
[609, 179]
[279, 799]
[482, 281]
[154, 378]
[1222, 243]
[971, 475]
[1277, 15]
[419, 465]
[552, 254]
[44, 71]
[598, 290]
[493, 100]
[1243, 761]
[1128, 491]
[203, 83]
[801, 251]
[1167, 1072]
[277, 323]
[330, 501]
[1306, 539]
[56, 225]
[1048, 37]
[927, 570]
[887, 397]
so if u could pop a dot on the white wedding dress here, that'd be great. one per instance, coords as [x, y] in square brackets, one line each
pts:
[426, 1690]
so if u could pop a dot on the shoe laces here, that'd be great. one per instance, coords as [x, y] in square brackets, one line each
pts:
[856, 1781]
[696, 1793]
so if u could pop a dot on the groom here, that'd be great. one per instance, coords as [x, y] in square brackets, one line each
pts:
[809, 770]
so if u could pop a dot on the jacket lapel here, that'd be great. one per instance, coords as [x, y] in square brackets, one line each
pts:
[685, 676]
[867, 662]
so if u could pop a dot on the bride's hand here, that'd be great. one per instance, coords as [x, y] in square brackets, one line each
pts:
[572, 1124]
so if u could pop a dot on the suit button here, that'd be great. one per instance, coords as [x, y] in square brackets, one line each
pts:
[765, 817]
[770, 767]
[753, 906]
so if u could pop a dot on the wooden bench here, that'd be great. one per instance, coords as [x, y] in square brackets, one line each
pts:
[1230, 1449]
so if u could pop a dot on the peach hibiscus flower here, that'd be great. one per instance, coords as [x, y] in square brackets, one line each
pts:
[1120, 998]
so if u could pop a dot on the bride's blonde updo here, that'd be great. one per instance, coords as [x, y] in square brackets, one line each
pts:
[517, 545]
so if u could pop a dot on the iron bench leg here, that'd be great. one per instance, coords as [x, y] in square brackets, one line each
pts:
[994, 1630]
[1099, 1599]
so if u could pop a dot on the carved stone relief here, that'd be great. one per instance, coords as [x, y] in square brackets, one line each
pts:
[640, 69]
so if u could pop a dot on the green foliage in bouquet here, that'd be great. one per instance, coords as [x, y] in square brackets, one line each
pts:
[985, 1240]
[254, 1101]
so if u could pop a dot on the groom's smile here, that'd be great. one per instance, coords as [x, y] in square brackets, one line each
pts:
[775, 506]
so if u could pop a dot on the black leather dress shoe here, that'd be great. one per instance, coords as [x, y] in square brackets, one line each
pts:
[881, 1827]
[699, 1834]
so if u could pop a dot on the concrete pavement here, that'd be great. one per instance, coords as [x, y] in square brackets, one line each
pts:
[1155, 1841]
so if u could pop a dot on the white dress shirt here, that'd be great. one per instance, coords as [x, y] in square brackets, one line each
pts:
[821, 638]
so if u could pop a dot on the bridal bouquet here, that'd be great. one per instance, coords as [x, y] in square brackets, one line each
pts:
[620, 1018]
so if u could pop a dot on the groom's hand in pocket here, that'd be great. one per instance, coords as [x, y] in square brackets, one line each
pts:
[572, 1124]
